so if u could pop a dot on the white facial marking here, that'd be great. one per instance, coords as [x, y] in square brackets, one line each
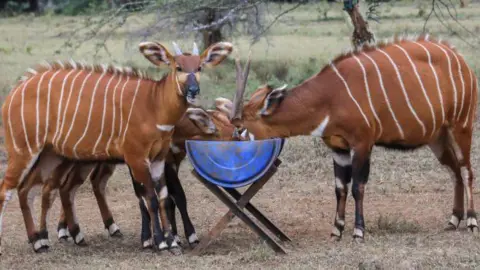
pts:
[318, 132]
[454, 221]
[113, 228]
[163, 193]
[165, 127]
[175, 149]
[192, 238]
[156, 170]
[342, 160]
[357, 232]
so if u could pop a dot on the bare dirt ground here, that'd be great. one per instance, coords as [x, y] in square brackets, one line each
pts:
[408, 202]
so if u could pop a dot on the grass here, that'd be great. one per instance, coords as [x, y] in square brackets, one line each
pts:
[408, 198]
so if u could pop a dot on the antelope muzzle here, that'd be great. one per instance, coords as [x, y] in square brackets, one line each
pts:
[192, 87]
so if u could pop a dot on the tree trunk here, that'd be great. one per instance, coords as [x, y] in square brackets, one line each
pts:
[361, 34]
[463, 3]
[212, 34]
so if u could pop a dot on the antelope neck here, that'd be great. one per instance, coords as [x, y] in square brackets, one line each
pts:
[169, 105]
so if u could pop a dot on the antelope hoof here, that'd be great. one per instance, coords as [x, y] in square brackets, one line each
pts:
[40, 246]
[193, 240]
[162, 246]
[43, 249]
[358, 236]
[147, 244]
[336, 234]
[472, 225]
[117, 234]
[80, 240]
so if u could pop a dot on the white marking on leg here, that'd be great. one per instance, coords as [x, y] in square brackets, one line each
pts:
[454, 221]
[192, 238]
[456, 149]
[60, 105]
[8, 197]
[175, 149]
[156, 169]
[318, 132]
[357, 232]
[37, 245]
[465, 179]
[163, 193]
[103, 116]
[350, 93]
[147, 243]
[113, 116]
[400, 130]
[79, 237]
[131, 109]
[336, 231]
[162, 245]
[339, 183]
[436, 79]
[63, 233]
[89, 115]
[407, 99]
[472, 88]
[342, 159]
[47, 118]
[57, 143]
[472, 222]
[451, 79]
[113, 228]
[165, 127]
[75, 113]
[421, 85]
[32, 193]
[367, 89]
[339, 221]
[121, 107]
[177, 238]
[38, 108]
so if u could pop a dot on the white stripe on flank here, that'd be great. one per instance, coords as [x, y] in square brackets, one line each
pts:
[473, 89]
[9, 114]
[65, 109]
[113, 116]
[131, 108]
[92, 100]
[385, 95]
[436, 80]
[38, 108]
[451, 78]
[60, 105]
[367, 89]
[48, 105]
[350, 93]
[23, 118]
[103, 115]
[461, 80]
[404, 91]
[75, 112]
[422, 86]
[121, 108]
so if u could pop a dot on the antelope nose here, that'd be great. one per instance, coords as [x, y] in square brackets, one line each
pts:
[193, 90]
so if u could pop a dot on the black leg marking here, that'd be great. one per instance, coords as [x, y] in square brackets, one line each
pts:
[62, 231]
[342, 169]
[360, 172]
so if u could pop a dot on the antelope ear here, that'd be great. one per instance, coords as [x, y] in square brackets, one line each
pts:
[223, 105]
[202, 120]
[216, 53]
[155, 53]
[273, 100]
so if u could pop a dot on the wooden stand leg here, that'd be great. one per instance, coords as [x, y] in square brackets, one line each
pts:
[236, 209]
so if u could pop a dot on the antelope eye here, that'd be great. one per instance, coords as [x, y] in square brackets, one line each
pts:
[179, 68]
[199, 69]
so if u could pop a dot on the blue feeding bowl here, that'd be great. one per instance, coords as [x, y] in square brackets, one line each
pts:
[233, 164]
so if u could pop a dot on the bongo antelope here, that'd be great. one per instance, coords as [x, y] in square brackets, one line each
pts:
[51, 109]
[196, 124]
[400, 94]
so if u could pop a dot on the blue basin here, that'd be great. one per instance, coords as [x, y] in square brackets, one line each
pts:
[233, 164]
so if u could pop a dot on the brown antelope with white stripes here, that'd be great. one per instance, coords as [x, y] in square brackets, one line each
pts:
[401, 94]
[196, 124]
[53, 109]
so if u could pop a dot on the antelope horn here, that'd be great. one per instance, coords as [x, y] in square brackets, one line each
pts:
[177, 49]
[195, 49]
[241, 86]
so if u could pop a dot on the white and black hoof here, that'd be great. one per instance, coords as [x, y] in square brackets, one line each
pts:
[336, 234]
[79, 240]
[193, 240]
[472, 225]
[358, 236]
[41, 246]
[63, 235]
[177, 239]
[452, 224]
[114, 231]
[147, 244]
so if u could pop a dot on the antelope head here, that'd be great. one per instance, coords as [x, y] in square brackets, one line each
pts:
[186, 67]
[251, 119]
